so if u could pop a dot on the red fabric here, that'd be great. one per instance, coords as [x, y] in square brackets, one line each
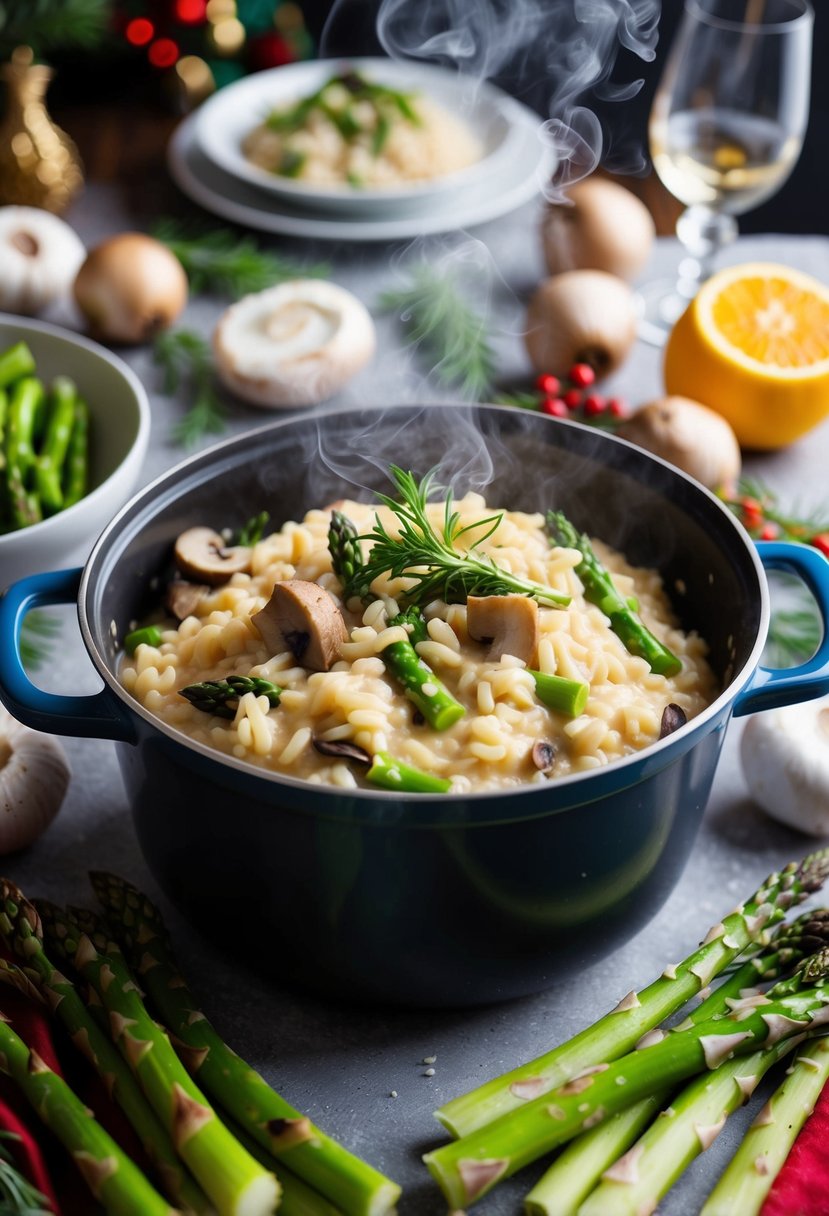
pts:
[802, 1186]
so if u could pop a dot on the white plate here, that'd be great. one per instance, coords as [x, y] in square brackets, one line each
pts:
[222, 194]
[231, 114]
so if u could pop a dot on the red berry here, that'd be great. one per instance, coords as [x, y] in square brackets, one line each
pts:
[572, 398]
[554, 406]
[769, 532]
[550, 385]
[618, 407]
[582, 374]
[752, 512]
[594, 404]
[821, 541]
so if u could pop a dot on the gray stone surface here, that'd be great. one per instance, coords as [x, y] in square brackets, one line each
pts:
[340, 1064]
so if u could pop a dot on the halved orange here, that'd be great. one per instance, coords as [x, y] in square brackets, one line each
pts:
[754, 346]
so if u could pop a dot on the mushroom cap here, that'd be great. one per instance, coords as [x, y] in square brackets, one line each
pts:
[785, 760]
[202, 554]
[294, 344]
[303, 617]
[509, 622]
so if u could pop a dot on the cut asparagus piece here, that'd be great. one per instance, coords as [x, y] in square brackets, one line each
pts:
[238, 1185]
[356, 1187]
[748, 1178]
[16, 362]
[469, 1168]
[422, 687]
[114, 1180]
[66, 1004]
[393, 774]
[561, 694]
[619, 1030]
[578, 1168]
[599, 589]
[298, 1198]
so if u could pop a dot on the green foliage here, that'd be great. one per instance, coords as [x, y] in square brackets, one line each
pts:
[37, 640]
[187, 362]
[47, 25]
[17, 1195]
[223, 262]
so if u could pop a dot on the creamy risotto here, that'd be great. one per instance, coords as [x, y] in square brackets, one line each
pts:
[358, 133]
[495, 743]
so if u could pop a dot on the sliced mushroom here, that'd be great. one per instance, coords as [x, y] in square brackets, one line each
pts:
[202, 554]
[303, 617]
[343, 750]
[183, 598]
[508, 622]
[673, 716]
[543, 755]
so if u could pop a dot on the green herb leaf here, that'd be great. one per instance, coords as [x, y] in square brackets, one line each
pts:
[17, 1195]
[187, 362]
[223, 262]
[437, 319]
[252, 531]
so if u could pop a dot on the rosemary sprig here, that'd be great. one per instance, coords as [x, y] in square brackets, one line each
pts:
[438, 320]
[223, 262]
[37, 638]
[187, 361]
[438, 569]
[17, 1195]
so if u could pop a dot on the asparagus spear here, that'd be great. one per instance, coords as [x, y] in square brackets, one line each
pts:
[236, 1183]
[578, 1168]
[19, 451]
[114, 1180]
[76, 467]
[619, 1030]
[558, 693]
[353, 1185]
[469, 1168]
[53, 450]
[749, 1176]
[221, 697]
[46, 983]
[422, 687]
[599, 589]
[392, 774]
[298, 1198]
[16, 362]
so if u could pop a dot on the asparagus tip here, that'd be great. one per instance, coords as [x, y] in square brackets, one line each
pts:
[814, 870]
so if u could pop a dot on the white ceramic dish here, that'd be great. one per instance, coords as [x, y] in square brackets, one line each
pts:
[119, 434]
[230, 115]
[518, 181]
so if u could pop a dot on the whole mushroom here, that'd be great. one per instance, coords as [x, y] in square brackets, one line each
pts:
[39, 255]
[294, 344]
[583, 316]
[34, 776]
[130, 288]
[689, 436]
[785, 761]
[598, 226]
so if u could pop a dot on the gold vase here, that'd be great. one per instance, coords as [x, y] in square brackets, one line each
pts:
[39, 163]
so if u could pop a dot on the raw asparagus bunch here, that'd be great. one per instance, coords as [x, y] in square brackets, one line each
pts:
[356, 1187]
[237, 1185]
[749, 1176]
[579, 1167]
[599, 589]
[637, 1013]
[469, 1168]
[37, 977]
[422, 687]
[111, 1176]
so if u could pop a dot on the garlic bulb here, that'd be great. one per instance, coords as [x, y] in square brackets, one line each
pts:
[785, 760]
[39, 255]
[582, 316]
[689, 436]
[294, 344]
[602, 227]
[34, 775]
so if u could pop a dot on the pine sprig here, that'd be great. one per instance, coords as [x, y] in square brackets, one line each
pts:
[439, 569]
[187, 362]
[439, 321]
[47, 24]
[17, 1195]
[37, 639]
[222, 262]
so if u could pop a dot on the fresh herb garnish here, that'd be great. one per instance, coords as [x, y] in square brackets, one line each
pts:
[221, 261]
[17, 1195]
[187, 362]
[252, 531]
[438, 319]
[291, 162]
[431, 559]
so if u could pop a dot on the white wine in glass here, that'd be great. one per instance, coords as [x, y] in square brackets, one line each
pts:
[726, 128]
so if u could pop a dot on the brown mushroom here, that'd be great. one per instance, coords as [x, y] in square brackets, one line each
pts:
[183, 598]
[303, 617]
[508, 622]
[202, 554]
[543, 755]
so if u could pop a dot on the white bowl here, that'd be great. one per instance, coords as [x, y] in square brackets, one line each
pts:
[230, 115]
[119, 428]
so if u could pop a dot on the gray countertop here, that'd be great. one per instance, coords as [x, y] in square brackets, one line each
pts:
[340, 1064]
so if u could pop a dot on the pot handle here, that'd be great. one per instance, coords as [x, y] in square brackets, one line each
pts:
[772, 687]
[98, 716]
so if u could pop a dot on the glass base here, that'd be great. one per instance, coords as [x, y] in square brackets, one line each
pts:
[659, 306]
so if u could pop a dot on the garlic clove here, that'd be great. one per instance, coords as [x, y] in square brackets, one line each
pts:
[785, 761]
[599, 226]
[34, 776]
[294, 344]
[39, 255]
[583, 316]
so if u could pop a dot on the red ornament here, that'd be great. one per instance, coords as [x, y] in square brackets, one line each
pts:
[582, 374]
[821, 541]
[191, 12]
[269, 50]
[572, 398]
[594, 404]
[618, 407]
[140, 31]
[769, 532]
[554, 406]
[548, 384]
[163, 53]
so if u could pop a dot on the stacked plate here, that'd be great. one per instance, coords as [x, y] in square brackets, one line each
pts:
[207, 162]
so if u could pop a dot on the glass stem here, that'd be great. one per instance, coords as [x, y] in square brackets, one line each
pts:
[704, 232]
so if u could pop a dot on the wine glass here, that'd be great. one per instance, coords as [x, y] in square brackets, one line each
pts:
[726, 129]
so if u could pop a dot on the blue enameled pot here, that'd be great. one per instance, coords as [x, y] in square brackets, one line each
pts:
[423, 899]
